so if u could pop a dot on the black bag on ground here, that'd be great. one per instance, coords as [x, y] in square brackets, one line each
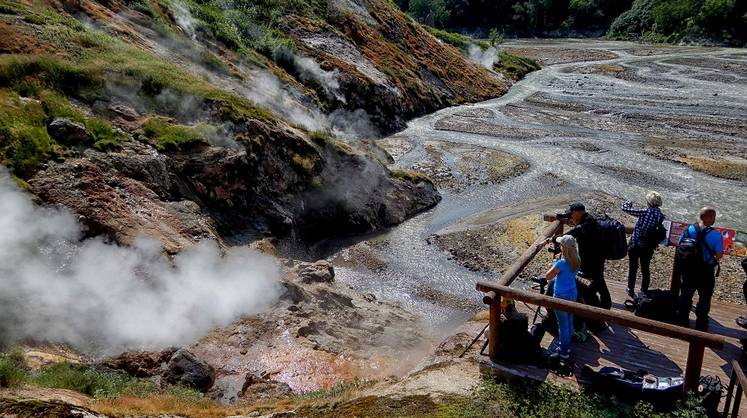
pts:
[657, 304]
[709, 392]
[629, 385]
[516, 343]
[612, 238]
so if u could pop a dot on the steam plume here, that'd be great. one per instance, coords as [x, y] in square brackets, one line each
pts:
[487, 58]
[105, 298]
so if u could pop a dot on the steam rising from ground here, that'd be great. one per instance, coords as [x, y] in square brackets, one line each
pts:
[106, 298]
[487, 58]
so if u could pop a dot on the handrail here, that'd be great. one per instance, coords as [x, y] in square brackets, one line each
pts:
[555, 228]
[740, 381]
[698, 340]
[605, 315]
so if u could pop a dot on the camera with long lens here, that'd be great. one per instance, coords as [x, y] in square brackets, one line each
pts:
[539, 280]
[564, 215]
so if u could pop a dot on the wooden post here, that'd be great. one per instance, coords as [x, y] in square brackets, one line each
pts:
[494, 328]
[737, 402]
[694, 365]
[729, 392]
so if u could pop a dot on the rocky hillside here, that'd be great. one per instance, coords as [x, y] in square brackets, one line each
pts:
[183, 120]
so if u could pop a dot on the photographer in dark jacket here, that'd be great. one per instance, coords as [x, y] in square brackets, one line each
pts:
[589, 241]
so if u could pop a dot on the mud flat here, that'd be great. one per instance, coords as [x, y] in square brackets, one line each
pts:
[601, 123]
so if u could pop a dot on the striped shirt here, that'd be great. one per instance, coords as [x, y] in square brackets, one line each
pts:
[647, 220]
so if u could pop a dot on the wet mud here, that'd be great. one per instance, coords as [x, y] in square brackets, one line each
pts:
[602, 122]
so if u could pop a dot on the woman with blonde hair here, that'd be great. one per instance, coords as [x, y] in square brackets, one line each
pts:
[643, 242]
[564, 272]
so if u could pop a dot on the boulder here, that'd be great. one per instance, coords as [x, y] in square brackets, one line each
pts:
[140, 363]
[65, 131]
[185, 369]
[258, 388]
[318, 272]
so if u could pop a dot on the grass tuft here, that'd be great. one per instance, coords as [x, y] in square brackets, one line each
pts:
[515, 66]
[166, 135]
[13, 368]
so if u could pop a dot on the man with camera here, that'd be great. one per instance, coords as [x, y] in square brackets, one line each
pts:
[586, 232]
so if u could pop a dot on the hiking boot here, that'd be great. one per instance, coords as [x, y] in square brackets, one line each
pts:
[631, 293]
[742, 322]
[701, 326]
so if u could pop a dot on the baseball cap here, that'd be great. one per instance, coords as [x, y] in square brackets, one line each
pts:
[577, 207]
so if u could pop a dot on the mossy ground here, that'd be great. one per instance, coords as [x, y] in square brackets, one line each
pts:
[119, 394]
[516, 67]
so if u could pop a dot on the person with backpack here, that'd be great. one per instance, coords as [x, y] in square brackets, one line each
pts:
[588, 237]
[698, 253]
[564, 287]
[647, 235]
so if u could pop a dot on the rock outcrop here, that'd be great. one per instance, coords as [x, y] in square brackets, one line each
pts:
[318, 272]
[184, 369]
[67, 132]
[140, 363]
[215, 192]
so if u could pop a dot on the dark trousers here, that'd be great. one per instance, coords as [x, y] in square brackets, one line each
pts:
[702, 282]
[638, 254]
[594, 271]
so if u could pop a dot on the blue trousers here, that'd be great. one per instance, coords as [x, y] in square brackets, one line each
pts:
[565, 322]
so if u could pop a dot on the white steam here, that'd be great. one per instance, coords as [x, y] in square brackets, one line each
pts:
[329, 80]
[487, 58]
[184, 19]
[106, 298]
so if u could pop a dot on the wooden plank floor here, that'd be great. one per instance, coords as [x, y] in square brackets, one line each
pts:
[635, 350]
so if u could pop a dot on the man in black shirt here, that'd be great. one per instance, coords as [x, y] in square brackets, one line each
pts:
[589, 241]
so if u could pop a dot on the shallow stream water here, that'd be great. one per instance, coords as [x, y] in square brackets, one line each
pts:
[694, 95]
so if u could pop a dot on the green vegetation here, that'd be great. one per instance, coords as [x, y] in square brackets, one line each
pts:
[13, 369]
[531, 399]
[723, 21]
[254, 24]
[681, 20]
[167, 135]
[516, 66]
[411, 176]
[494, 399]
[456, 39]
[100, 384]
[520, 17]
[321, 137]
[35, 89]
[89, 380]
[24, 141]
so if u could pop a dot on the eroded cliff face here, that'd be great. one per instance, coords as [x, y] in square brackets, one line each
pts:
[172, 120]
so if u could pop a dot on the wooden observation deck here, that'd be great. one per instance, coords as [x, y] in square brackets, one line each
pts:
[630, 342]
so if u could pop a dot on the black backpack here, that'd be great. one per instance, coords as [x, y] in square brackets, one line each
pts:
[709, 392]
[689, 252]
[654, 236]
[613, 241]
[656, 304]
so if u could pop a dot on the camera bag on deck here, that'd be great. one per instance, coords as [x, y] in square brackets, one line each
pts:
[516, 343]
[657, 304]
[612, 237]
[634, 386]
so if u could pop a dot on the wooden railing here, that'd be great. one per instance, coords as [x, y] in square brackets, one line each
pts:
[698, 340]
[494, 291]
[737, 383]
